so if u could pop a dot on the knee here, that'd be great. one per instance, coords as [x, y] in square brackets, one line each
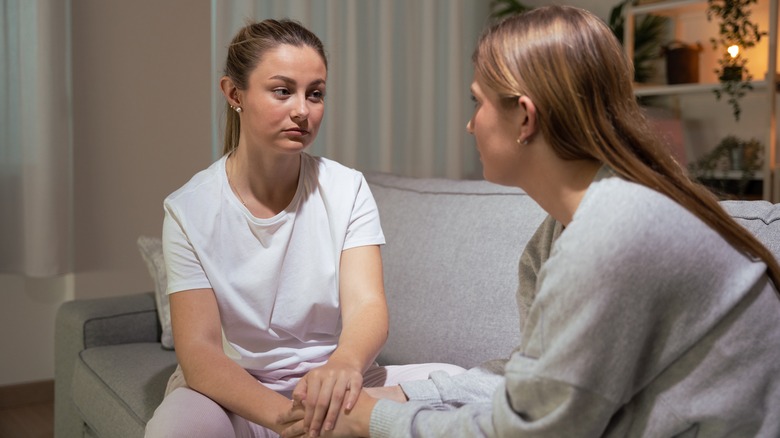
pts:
[185, 413]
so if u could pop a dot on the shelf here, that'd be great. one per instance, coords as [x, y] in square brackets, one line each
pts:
[726, 175]
[687, 17]
[670, 7]
[662, 89]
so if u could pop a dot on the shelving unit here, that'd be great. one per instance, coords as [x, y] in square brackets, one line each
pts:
[674, 9]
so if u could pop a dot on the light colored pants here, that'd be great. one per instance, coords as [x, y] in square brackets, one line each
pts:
[187, 413]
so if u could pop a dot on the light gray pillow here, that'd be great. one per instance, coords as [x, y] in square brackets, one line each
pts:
[151, 251]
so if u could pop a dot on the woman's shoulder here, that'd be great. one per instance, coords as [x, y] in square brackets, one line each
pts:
[614, 200]
[330, 172]
[200, 185]
[615, 213]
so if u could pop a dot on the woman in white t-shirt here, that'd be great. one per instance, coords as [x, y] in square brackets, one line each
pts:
[274, 268]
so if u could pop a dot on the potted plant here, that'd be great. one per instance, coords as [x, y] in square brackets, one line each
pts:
[502, 8]
[731, 154]
[648, 34]
[735, 29]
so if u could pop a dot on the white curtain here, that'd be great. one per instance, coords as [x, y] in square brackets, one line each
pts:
[398, 79]
[35, 138]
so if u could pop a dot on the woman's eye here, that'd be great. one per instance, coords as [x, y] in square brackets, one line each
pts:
[281, 92]
[474, 99]
[316, 96]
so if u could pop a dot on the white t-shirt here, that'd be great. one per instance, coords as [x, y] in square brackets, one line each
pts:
[276, 280]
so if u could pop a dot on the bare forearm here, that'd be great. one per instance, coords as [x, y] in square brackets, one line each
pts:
[363, 336]
[227, 383]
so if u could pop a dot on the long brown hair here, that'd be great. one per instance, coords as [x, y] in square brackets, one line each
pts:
[246, 51]
[568, 62]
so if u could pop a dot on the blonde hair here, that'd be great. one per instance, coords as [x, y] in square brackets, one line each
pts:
[568, 62]
[246, 51]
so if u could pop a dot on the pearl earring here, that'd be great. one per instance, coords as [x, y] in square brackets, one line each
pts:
[238, 109]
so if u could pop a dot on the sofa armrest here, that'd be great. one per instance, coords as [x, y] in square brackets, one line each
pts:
[82, 324]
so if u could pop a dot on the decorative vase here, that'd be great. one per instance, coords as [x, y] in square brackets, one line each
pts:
[731, 73]
[682, 62]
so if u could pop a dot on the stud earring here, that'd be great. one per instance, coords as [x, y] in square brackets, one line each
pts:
[238, 109]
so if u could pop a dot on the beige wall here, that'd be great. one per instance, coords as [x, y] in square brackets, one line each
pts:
[141, 95]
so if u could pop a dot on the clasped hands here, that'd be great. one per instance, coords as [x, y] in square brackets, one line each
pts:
[330, 401]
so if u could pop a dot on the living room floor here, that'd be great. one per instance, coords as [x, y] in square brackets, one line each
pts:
[35, 420]
[27, 410]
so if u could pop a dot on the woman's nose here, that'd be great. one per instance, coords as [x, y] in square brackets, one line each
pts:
[301, 111]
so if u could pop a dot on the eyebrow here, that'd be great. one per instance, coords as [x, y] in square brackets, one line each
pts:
[291, 81]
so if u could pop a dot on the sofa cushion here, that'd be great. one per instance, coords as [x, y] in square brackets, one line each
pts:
[762, 218]
[450, 265]
[152, 253]
[117, 388]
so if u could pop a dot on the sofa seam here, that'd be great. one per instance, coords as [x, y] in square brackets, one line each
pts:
[98, 318]
[756, 218]
[432, 192]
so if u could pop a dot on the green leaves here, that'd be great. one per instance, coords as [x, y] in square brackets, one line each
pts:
[734, 28]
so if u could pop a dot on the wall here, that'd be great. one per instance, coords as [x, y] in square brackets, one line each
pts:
[141, 93]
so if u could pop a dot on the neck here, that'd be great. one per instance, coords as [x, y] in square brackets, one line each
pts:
[266, 185]
[560, 186]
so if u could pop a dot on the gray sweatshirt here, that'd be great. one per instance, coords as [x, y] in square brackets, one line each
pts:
[638, 320]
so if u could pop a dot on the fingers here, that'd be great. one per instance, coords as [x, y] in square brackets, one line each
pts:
[324, 399]
[353, 388]
[295, 430]
[321, 402]
[299, 393]
[334, 405]
[292, 420]
[310, 403]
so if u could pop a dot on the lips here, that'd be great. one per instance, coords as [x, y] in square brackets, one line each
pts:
[296, 131]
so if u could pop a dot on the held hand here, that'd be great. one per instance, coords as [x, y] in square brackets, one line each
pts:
[323, 390]
[292, 421]
[353, 423]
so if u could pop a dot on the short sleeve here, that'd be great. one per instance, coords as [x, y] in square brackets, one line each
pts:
[364, 225]
[183, 267]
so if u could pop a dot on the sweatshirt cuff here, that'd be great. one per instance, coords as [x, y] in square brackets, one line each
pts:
[422, 390]
[383, 416]
[389, 417]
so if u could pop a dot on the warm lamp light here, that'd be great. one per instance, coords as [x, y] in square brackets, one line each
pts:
[733, 50]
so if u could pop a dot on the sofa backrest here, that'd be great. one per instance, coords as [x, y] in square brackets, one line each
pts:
[450, 266]
[762, 218]
[451, 262]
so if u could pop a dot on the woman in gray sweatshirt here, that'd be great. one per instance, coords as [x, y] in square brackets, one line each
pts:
[646, 310]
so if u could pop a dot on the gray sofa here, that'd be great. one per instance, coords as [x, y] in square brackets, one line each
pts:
[450, 277]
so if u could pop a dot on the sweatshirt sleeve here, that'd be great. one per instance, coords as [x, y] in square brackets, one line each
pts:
[549, 409]
[476, 385]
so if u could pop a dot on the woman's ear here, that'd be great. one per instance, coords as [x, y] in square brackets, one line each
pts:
[527, 116]
[230, 91]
